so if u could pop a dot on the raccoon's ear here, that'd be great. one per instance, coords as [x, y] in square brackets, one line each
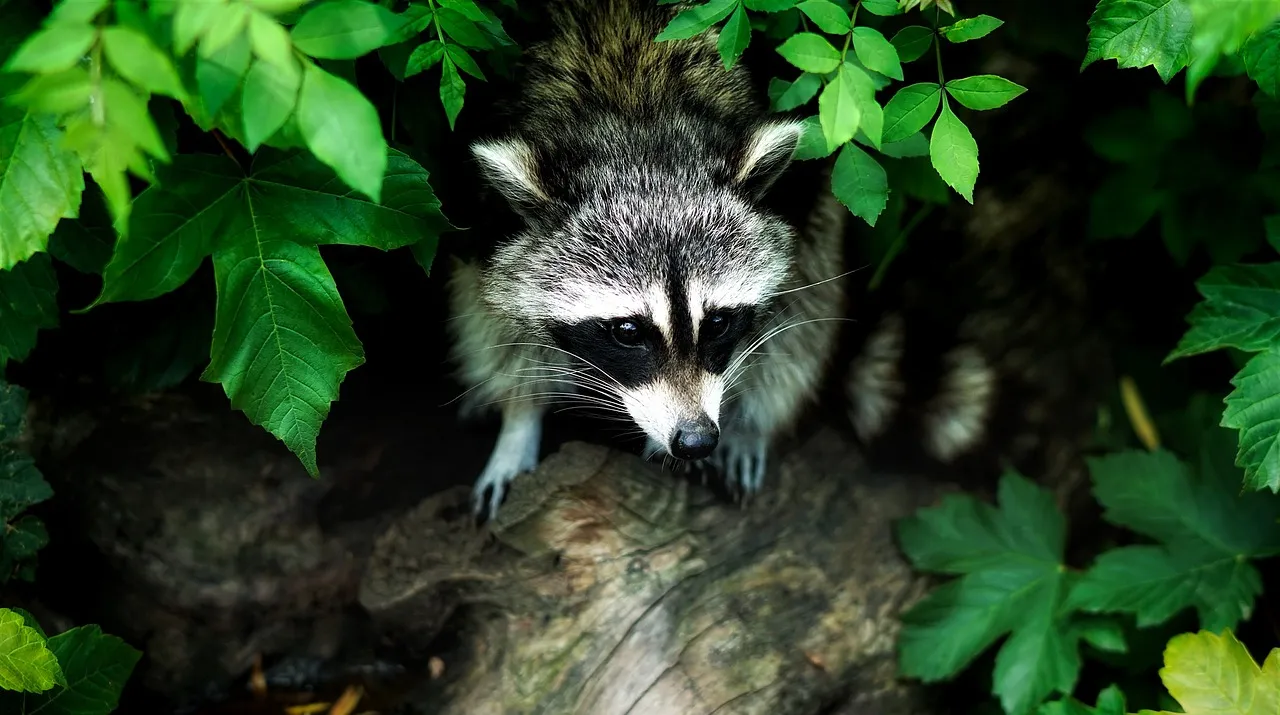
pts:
[768, 153]
[511, 167]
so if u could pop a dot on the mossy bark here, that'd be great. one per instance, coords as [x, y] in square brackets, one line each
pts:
[610, 587]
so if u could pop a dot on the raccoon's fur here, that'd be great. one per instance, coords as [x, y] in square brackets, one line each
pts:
[654, 266]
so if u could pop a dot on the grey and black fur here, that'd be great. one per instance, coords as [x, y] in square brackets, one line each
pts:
[655, 267]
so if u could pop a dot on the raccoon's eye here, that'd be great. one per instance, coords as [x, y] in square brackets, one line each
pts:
[716, 325]
[626, 332]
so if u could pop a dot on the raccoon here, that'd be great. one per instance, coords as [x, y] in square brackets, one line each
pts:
[657, 267]
[645, 270]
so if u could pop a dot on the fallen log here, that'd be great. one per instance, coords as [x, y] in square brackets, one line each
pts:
[606, 586]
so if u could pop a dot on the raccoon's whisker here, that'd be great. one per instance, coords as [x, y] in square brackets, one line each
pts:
[576, 379]
[566, 352]
[773, 334]
[817, 283]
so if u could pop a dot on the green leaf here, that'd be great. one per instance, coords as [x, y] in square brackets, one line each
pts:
[696, 19]
[424, 57]
[174, 225]
[884, 8]
[1105, 634]
[86, 243]
[96, 667]
[877, 53]
[799, 93]
[860, 183]
[871, 121]
[467, 8]
[343, 130]
[424, 252]
[77, 11]
[271, 42]
[970, 28]
[1241, 309]
[191, 21]
[227, 25]
[810, 52]
[912, 42]
[1110, 702]
[452, 90]
[463, 61]
[41, 182]
[22, 541]
[838, 109]
[1253, 407]
[1220, 29]
[984, 91]
[218, 76]
[137, 59]
[827, 16]
[1012, 580]
[13, 408]
[21, 485]
[910, 110]
[282, 340]
[462, 30]
[734, 38]
[813, 141]
[345, 29]
[1261, 55]
[916, 145]
[1141, 33]
[268, 100]
[954, 153]
[1207, 532]
[770, 5]
[1040, 658]
[1210, 673]
[26, 663]
[57, 46]
[278, 7]
[28, 304]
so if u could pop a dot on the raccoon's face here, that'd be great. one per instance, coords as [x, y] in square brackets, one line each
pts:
[657, 282]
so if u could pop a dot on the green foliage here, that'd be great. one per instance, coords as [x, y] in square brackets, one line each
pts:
[1208, 672]
[1110, 702]
[21, 487]
[79, 672]
[1141, 33]
[845, 74]
[1012, 581]
[282, 339]
[26, 663]
[1199, 541]
[90, 88]
[1206, 536]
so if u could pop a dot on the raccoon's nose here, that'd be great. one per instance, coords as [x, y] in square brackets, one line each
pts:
[695, 439]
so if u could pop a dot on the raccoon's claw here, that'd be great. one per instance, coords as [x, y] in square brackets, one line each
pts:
[742, 465]
[515, 453]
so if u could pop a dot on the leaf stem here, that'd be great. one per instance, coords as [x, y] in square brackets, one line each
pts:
[853, 20]
[937, 50]
[435, 20]
[896, 247]
[95, 82]
[222, 142]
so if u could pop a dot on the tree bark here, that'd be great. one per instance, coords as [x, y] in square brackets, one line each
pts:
[610, 587]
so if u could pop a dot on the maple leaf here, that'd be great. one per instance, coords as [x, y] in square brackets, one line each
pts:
[1012, 581]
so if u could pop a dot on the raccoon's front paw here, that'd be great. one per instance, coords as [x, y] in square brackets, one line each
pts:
[503, 467]
[741, 461]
